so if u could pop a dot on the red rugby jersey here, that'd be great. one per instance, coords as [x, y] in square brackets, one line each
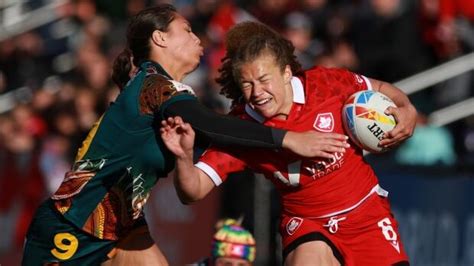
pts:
[307, 187]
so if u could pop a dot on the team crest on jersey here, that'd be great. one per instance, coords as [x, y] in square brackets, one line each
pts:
[324, 122]
[293, 225]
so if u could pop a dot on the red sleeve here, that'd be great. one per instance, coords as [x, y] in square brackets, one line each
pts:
[218, 164]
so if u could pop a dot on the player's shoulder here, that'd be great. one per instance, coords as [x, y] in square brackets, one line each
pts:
[157, 89]
[323, 71]
[164, 85]
[333, 75]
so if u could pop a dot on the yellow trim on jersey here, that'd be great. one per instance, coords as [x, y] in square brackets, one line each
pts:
[99, 230]
[63, 210]
[87, 142]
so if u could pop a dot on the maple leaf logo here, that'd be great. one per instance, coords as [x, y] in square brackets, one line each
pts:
[324, 122]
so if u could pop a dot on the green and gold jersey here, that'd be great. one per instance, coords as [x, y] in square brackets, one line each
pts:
[122, 157]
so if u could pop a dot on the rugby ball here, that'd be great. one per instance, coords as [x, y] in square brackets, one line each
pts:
[365, 121]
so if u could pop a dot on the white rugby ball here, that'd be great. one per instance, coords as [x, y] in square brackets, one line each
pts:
[365, 121]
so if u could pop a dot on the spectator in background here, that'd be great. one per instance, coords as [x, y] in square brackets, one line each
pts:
[21, 180]
[456, 25]
[299, 30]
[22, 61]
[339, 54]
[439, 38]
[271, 12]
[420, 151]
[225, 15]
[455, 32]
[318, 11]
[232, 245]
[448, 29]
[388, 42]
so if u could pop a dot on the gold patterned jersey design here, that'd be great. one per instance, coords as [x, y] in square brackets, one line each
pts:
[157, 89]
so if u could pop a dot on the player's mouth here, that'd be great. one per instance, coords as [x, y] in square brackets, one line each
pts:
[261, 102]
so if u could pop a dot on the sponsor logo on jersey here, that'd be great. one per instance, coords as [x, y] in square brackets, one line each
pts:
[318, 169]
[324, 122]
[293, 225]
[359, 79]
[293, 174]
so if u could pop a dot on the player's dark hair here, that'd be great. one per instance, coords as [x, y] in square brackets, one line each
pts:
[245, 42]
[139, 31]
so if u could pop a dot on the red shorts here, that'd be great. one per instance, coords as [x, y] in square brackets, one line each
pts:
[367, 235]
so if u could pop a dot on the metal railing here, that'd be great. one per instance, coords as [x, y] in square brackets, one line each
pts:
[14, 20]
[437, 75]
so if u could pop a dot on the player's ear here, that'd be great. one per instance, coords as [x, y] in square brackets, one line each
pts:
[158, 38]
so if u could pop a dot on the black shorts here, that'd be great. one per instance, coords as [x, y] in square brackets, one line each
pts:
[51, 238]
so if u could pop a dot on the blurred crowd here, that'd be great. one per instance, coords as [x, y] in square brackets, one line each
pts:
[58, 75]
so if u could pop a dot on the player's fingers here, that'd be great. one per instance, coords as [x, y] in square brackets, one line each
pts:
[401, 132]
[164, 127]
[324, 154]
[164, 122]
[334, 148]
[335, 136]
[186, 127]
[178, 120]
[388, 110]
[391, 110]
[390, 144]
[168, 122]
[338, 143]
[386, 143]
[392, 140]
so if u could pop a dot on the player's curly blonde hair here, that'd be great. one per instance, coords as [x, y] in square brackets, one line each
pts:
[246, 41]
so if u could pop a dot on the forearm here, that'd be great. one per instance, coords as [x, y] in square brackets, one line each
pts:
[224, 130]
[227, 130]
[190, 182]
[395, 94]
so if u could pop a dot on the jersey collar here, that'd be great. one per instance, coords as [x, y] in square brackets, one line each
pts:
[298, 97]
[145, 64]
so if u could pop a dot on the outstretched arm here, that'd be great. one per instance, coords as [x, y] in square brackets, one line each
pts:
[405, 114]
[191, 183]
[225, 130]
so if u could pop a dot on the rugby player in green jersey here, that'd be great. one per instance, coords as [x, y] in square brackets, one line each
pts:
[96, 215]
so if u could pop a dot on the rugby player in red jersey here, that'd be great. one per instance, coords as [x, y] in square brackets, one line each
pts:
[334, 212]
